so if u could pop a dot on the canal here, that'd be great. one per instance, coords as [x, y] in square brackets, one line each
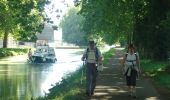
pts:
[20, 80]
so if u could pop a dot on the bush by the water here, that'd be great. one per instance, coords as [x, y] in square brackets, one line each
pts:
[4, 52]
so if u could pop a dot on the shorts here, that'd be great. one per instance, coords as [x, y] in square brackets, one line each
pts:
[131, 80]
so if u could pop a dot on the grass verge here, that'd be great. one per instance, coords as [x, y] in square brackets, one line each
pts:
[159, 72]
[70, 88]
[108, 55]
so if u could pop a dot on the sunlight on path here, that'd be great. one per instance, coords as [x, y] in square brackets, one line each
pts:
[111, 84]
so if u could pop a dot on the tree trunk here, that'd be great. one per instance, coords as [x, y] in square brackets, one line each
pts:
[5, 40]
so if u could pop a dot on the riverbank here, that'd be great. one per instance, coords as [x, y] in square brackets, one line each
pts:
[110, 84]
[72, 86]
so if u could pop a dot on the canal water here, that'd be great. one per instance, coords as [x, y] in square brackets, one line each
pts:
[20, 80]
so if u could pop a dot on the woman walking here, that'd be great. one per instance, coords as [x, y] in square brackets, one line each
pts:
[131, 69]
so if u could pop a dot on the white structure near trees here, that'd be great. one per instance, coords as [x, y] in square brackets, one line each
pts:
[47, 33]
[46, 36]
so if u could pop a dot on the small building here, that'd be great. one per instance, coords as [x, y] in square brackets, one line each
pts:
[46, 37]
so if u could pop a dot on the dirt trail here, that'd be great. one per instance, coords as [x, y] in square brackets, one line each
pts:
[111, 84]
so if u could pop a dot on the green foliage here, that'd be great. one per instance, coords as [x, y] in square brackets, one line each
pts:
[108, 55]
[163, 80]
[166, 26]
[110, 19]
[142, 22]
[159, 71]
[71, 26]
[151, 68]
[150, 30]
[4, 52]
[21, 18]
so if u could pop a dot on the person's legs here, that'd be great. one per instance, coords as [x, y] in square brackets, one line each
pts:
[129, 91]
[89, 79]
[134, 92]
[128, 83]
[133, 81]
[94, 76]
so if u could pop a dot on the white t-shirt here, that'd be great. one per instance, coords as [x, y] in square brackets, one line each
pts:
[130, 59]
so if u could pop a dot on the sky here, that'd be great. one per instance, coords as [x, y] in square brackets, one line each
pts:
[61, 6]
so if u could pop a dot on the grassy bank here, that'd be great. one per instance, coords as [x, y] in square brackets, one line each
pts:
[158, 71]
[4, 52]
[68, 89]
[108, 55]
[72, 86]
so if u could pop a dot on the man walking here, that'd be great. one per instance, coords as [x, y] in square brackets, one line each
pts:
[93, 57]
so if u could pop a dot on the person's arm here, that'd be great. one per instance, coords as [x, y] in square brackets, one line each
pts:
[84, 55]
[138, 62]
[122, 62]
[100, 58]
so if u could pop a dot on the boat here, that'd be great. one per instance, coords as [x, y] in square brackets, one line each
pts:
[44, 54]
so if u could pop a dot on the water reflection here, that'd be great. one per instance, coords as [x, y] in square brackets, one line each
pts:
[21, 81]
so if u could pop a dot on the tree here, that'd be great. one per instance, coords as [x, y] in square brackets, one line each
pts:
[151, 36]
[141, 22]
[71, 25]
[21, 18]
[111, 19]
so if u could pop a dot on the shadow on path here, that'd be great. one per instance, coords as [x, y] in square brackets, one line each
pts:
[111, 84]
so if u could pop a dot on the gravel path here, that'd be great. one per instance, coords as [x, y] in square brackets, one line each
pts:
[111, 84]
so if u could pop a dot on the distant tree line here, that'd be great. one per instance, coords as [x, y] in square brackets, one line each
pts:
[72, 27]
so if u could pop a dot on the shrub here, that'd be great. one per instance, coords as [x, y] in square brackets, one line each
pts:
[4, 52]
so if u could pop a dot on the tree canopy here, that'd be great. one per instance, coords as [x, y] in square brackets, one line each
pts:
[21, 18]
[71, 25]
[142, 22]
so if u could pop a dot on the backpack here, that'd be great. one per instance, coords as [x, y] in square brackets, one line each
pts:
[134, 53]
[96, 50]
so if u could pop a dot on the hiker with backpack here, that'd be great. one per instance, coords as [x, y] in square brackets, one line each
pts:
[92, 57]
[131, 69]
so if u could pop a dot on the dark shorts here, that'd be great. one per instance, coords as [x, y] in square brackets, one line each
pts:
[131, 80]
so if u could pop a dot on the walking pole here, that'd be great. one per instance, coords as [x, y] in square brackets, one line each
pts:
[82, 74]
